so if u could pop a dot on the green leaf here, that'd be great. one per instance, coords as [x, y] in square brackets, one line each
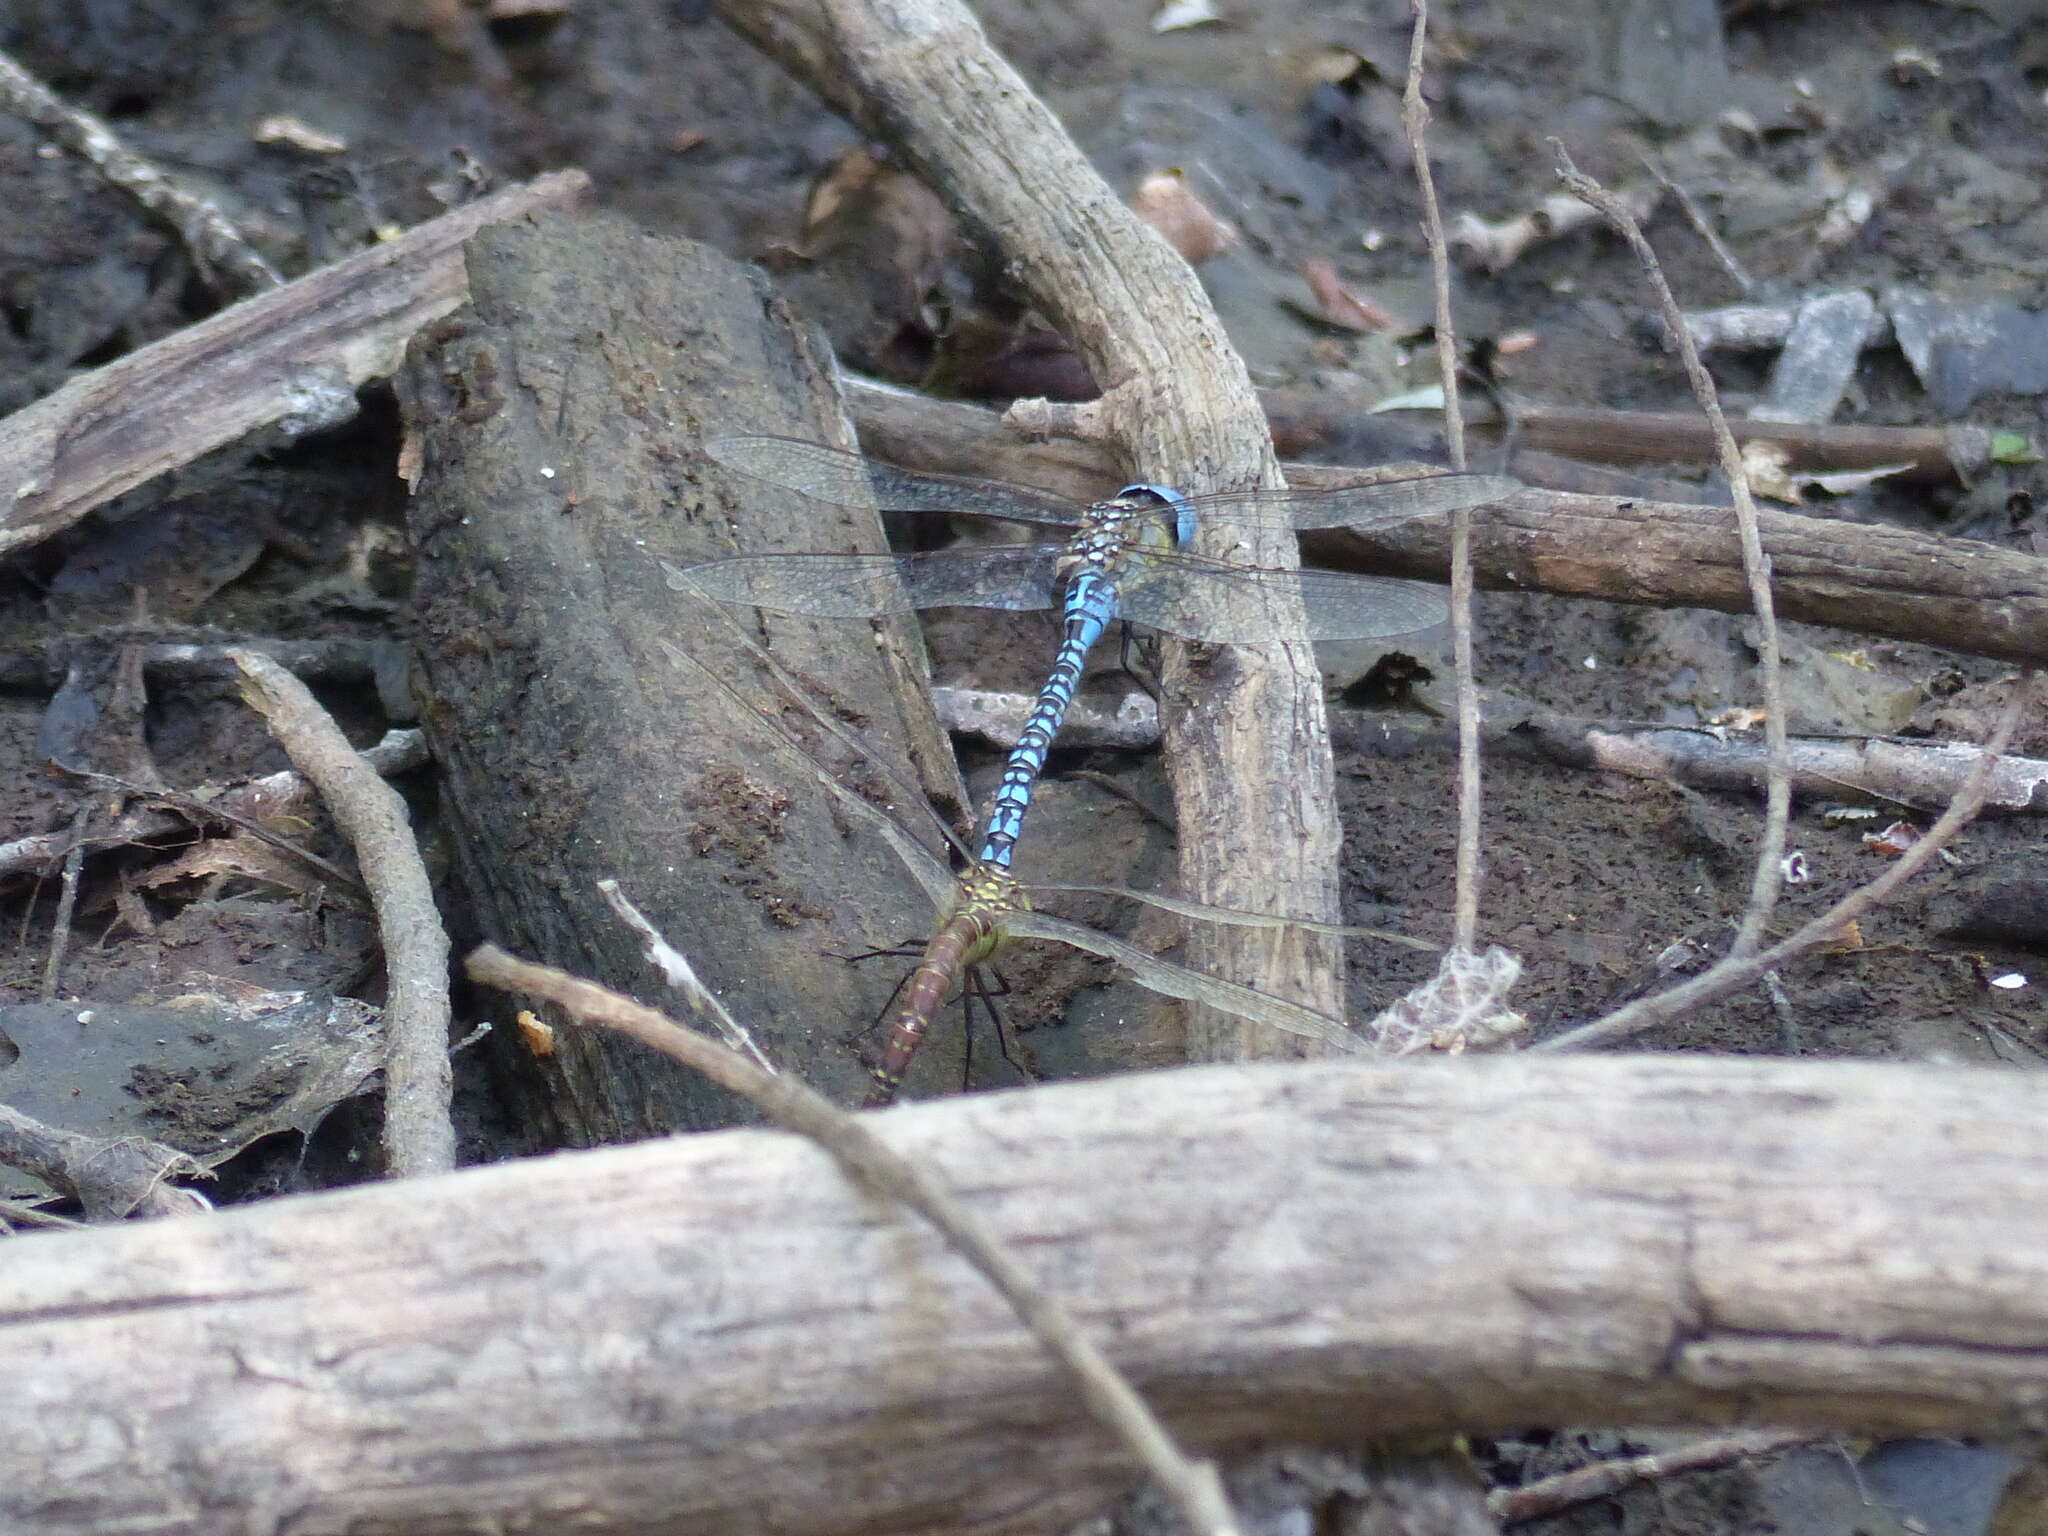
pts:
[2013, 448]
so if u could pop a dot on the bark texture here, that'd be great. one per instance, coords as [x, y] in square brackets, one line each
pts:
[557, 426]
[717, 1333]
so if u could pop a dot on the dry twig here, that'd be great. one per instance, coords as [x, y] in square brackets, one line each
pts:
[274, 795]
[1764, 885]
[1553, 1494]
[1193, 1486]
[1415, 119]
[682, 976]
[225, 258]
[67, 901]
[419, 1137]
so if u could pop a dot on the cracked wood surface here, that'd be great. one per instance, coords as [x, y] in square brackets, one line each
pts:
[1332, 1252]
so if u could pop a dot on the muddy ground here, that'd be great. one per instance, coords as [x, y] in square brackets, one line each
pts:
[1828, 146]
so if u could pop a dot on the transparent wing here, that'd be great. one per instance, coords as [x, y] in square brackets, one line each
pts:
[1202, 911]
[937, 880]
[848, 480]
[1170, 980]
[1380, 505]
[1245, 605]
[841, 586]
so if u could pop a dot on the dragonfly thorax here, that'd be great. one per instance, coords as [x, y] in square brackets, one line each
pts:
[1110, 530]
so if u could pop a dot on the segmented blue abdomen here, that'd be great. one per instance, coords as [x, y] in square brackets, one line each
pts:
[1090, 606]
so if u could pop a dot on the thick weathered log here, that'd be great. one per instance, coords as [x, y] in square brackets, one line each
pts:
[618, 1340]
[556, 424]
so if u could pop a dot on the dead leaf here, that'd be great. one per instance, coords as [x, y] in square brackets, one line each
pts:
[1340, 306]
[1189, 225]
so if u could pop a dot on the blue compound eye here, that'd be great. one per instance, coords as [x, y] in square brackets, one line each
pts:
[1183, 510]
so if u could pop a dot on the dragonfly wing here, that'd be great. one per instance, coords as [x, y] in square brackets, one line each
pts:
[937, 880]
[1171, 980]
[1399, 501]
[848, 480]
[838, 586]
[1202, 911]
[1381, 504]
[1244, 605]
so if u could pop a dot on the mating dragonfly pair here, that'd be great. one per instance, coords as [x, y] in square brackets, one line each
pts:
[1123, 558]
[1120, 558]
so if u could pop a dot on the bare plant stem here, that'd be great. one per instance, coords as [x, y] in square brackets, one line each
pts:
[1415, 119]
[1767, 879]
[1193, 1486]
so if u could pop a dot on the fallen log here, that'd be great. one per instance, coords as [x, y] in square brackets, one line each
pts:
[717, 1333]
[1968, 596]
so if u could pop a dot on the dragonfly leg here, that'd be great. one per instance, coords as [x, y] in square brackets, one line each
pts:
[985, 985]
[904, 950]
[852, 1038]
[1132, 648]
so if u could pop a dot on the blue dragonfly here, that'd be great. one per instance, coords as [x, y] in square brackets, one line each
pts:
[1123, 557]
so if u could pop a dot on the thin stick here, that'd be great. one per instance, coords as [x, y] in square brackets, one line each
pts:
[1550, 1495]
[1415, 119]
[1738, 971]
[1766, 880]
[275, 794]
[1193, 1486]
[67, 903]
[224, 256]
[1696, 216]
[419, 1136]
[682, 976]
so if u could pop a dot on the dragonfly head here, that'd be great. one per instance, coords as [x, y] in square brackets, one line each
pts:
[1139, 498]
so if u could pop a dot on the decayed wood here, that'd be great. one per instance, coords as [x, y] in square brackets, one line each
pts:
[1890, 582]
[617, 1339]
[295, 352]
[557, 424]
[1248, 744]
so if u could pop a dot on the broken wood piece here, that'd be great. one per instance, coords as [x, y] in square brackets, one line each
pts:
[1758, 327]
[111, 1178]
[1924, 775]
[1648, 1239]
[290, 358]
[1937, 455]
[1818, 359]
